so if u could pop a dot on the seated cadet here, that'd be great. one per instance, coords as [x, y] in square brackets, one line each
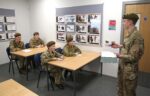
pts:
[16, 45]
[36, 41]
[70, 50]
[50, 55]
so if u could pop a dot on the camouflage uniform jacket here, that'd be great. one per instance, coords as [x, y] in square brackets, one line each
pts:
[48, 56]
[70, 51]
[132, 51]
[33, 42]
[16, 46]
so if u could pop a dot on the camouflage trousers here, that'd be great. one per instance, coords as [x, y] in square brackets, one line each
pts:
[56, 73]
[127, 82]
[20, 59]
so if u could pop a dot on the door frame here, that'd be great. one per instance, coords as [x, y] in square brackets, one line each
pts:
[123, 12]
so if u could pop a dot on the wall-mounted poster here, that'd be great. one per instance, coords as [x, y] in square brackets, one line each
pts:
[82, 18]
[81, 38]
[1, 18]
[70, 28]
[61, 27]
[10, 35]
[95, 23]
[11, 27]
[81, 28]
[93, 39]
[11, 19]
[2, 36]
[1, 27]
[61, 36]
[70, 18]
[60, 19]
[112, 25]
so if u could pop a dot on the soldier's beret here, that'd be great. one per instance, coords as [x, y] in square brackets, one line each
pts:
[69, 37]
[132, 16]
[17, 34]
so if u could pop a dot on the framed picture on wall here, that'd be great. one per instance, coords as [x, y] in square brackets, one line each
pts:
[2, 36]
[70, 28]
[93, 39]
[11, 27]
[60, 19]
[81, 38]
[61, 36]
[11, 19]
[81, 28]
[82, 18]
[10, 35]
[61, 27]
[1, 18]
[95, 23]
[70, 18]
[2, 28]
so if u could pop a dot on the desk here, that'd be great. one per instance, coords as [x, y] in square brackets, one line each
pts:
[12, 88]
[75, 63]
[33, 51]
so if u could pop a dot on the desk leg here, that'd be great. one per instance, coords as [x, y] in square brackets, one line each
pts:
[101, 68]
[26, 61]
[74, 81]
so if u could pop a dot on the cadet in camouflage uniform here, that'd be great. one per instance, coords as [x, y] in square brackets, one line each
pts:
[70, 49]
[36, 41]
[16, 45]
[131, 52]
[50, 55]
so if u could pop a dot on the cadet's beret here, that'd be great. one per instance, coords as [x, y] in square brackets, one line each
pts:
[35, 33]
[69, 37]
[132, 16]
[17, 34]
[50, 43]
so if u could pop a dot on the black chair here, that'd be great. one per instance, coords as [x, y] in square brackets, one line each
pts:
[49, 78]
[11, 61]
[27, 45]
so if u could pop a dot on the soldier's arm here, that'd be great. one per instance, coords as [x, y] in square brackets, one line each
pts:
[12, 47]
[66, 52]
[77, 50]
[42, 42]
[45, 59]
[32, 45]
[135, 52]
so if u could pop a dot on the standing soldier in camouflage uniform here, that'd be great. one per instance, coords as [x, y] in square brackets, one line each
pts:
[16, 45]
[70, 50]
[50, 55]
[131, 52]
[36, 41]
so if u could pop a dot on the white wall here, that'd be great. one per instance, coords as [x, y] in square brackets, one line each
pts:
[22, 20]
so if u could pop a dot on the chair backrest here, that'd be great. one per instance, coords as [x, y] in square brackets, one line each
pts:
[59, 50]
[27, 45]
[8, 52]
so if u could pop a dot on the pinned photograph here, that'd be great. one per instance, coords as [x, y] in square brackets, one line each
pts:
[82, 18]
[1, 18]
[10, 35]
[81, 28]
[1, 27]
[81, 38]
[95, 24]
[60, 19]
[61, 36]
[11, 27]
[93, 39]
[11, 19]
[70, 18]
[70, 28]
[2, 36]
[61, 27]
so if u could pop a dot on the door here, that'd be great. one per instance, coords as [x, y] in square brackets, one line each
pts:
[143, 10]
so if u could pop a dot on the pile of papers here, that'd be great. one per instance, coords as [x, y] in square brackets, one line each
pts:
[108, 57]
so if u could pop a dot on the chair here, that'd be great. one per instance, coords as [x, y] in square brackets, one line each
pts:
[27, 45]
[42, 70]
[59, 50]
[12, 61]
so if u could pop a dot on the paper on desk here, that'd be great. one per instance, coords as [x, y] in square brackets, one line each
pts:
[26, 50]
[108, 54]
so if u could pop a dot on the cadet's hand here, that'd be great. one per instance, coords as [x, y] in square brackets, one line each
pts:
[114, 45]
